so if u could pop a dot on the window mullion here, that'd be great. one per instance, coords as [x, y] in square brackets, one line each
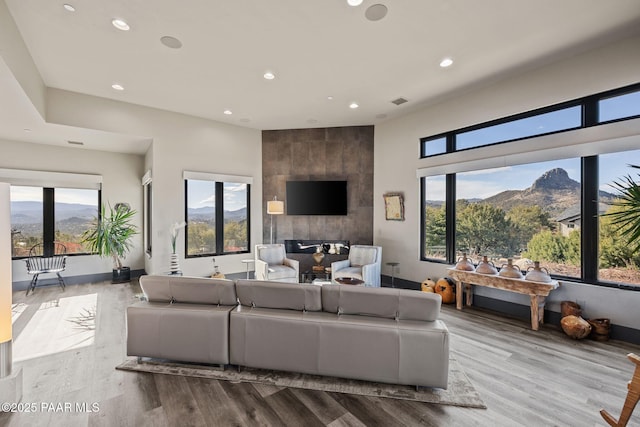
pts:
[219, 218]
[450, 219]
[590, 232]
[48, 220]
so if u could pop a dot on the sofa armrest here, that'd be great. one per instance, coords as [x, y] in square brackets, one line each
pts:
[371, 275]
[261, 270]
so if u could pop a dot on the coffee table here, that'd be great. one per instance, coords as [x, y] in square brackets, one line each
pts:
[310, 276]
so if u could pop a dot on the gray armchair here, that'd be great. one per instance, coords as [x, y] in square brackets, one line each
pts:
[364, 263]
[272, 264]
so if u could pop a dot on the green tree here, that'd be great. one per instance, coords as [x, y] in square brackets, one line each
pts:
[627, 219]
[435, 230]
[547, 246]
[526, 222]
[483, 229]
[615, 248]
[235, 235]
[202, 238]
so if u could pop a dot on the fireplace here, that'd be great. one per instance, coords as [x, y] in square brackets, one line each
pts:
[333, 247]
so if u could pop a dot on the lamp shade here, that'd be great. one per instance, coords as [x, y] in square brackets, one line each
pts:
[5, 264]
[275, 207]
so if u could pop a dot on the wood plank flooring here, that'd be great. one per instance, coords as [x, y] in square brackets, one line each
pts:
[526, 378]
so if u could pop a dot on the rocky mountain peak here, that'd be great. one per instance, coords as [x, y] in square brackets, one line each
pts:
[555, 179]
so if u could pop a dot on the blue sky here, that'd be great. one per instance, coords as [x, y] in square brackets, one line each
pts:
[201, 194]
[488, 182]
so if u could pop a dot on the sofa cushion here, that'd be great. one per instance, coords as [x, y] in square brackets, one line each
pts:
[195, 290]
[281, 272]
[289, 296]
[401, 304]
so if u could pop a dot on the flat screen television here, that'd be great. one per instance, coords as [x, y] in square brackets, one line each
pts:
[316, 197]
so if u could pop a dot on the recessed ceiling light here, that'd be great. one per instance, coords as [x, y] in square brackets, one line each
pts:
[354, 2]
[376, 12]
[171, 42]
[228, 112]
[353, 105]
[69, 8]
[117, 86]
[446, 62]
[120, 24]
[27, 130]
[330, 98]
[269, 75]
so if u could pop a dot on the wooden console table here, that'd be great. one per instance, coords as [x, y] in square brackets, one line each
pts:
[537, 291]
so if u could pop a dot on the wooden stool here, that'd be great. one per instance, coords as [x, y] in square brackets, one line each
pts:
[633, 395]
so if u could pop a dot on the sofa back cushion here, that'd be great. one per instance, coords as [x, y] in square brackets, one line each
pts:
[389, 303]
[362, 255]
[194, 290]
[288, 296]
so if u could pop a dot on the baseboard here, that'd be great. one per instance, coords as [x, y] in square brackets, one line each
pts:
[398, 283]
[52, 280]
[617, 332]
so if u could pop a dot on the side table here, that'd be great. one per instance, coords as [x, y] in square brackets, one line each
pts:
[393, 266]
[247, 262]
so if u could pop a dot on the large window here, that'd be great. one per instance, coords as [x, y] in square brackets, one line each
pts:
[553, 211]
[435, 215]
[618, 104]
[527, 212]
[538, 124]
[148, 216]
[618, 262]
[47, 215]
[217, 217]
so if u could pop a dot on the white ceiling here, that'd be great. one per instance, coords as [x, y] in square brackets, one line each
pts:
[316, 48]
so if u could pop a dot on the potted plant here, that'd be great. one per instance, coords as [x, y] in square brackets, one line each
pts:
[110, 236]
[627, 218]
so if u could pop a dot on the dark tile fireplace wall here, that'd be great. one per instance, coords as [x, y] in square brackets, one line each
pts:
[342, 153]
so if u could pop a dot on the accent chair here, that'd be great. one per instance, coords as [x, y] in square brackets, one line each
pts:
[364, 263]
[271, 263]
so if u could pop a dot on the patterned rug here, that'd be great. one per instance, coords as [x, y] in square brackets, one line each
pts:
[460, 391]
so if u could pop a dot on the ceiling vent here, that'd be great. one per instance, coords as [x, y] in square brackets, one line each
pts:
[399, 101]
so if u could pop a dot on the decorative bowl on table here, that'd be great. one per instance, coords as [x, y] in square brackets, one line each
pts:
[349, 281]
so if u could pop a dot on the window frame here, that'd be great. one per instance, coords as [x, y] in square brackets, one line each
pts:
[589, 185]
[590, 117]
[219, 220]
[49, 224]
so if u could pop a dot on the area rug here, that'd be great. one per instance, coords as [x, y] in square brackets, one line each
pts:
[460, 391]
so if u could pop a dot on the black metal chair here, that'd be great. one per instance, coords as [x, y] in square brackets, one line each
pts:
[40, 262]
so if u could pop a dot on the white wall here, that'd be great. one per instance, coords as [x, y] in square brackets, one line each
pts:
[121, 183]
[397, 159]
[180, 143]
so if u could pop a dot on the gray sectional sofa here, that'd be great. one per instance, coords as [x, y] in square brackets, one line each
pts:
[374, 334]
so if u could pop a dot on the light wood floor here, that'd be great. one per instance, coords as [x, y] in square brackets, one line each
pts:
[526, 378]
